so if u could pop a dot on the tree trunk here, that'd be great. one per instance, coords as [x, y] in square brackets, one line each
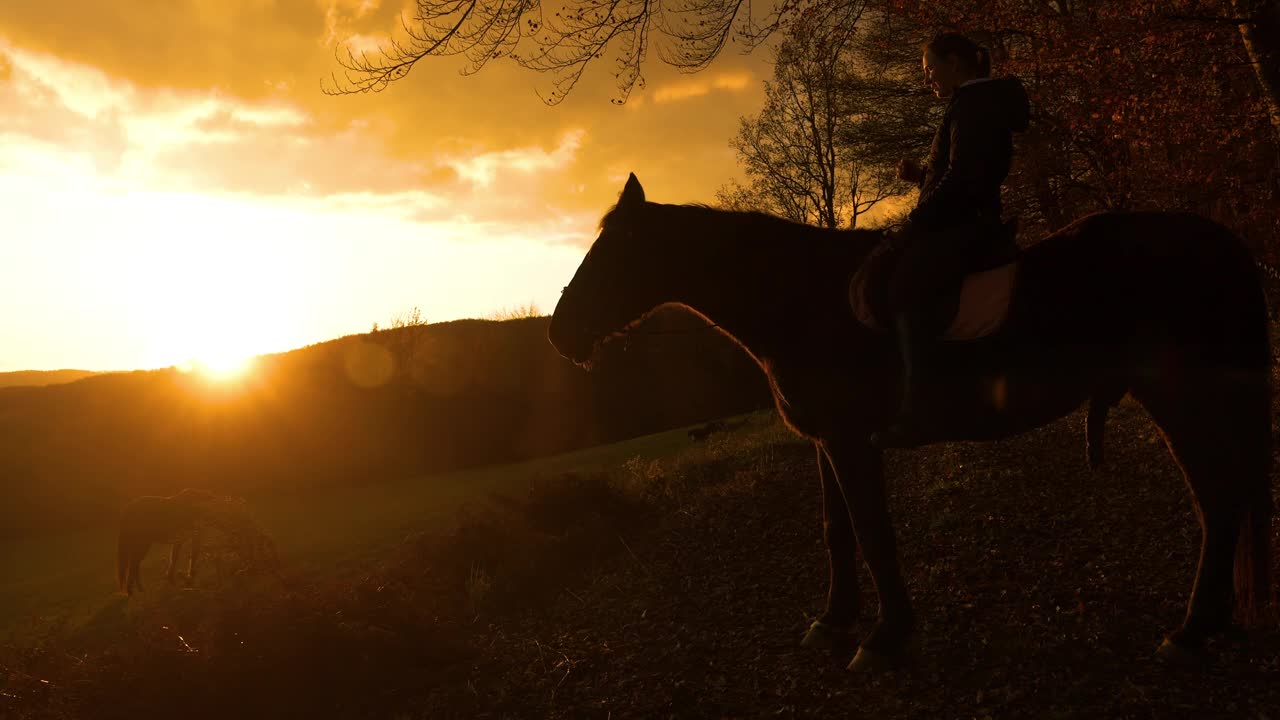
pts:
[1262, 41]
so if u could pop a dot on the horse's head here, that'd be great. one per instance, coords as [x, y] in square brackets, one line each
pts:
[619, 281]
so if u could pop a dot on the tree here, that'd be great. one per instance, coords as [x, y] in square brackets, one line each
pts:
[690, 34]
[516, 312]
[789, 149]
[407, 318]
[891, 115]
[816, 151]
[1172, 104]
[1136, 105]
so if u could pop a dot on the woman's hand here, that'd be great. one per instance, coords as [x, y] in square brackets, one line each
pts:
[910, 170]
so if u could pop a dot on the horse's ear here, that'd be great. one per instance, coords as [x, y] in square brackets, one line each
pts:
[632, 193]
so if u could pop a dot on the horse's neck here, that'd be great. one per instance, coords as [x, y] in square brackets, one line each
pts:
[758, 273]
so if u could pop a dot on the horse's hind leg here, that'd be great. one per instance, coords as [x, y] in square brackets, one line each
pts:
[1219, 433]
[1096, 422]
[135, 569]
[195, 555]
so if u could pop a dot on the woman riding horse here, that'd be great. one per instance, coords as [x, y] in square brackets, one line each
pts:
[956, 221]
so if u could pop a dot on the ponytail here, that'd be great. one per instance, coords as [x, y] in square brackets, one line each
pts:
[984, 62]
[974, 56]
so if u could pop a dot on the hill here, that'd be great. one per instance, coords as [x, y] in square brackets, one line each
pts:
[360, 409]
[37, 378]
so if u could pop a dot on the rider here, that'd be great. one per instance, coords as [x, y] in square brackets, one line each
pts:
[956, 221]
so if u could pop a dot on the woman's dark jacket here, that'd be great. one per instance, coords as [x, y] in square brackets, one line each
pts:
[970, 156]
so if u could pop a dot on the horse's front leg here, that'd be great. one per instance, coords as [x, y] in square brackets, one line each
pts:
[195, 554]
[859, 468]
[174, 550]
[834, 629]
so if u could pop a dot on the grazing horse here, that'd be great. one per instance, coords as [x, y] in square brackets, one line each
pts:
[1166, 307]
[703, 432]
[152, 519]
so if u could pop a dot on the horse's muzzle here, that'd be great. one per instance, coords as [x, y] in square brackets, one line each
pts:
[572, 343]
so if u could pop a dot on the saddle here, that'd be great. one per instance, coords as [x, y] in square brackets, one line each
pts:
[975, 308]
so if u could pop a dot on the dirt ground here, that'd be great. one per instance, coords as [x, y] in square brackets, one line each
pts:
[1042, 590]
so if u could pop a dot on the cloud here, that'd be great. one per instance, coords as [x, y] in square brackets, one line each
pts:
[240, 119]
[129, 132]
[137, 139]
[340, 16]
[684, 90]
[224, 98]
[45, 113]
[481, 169]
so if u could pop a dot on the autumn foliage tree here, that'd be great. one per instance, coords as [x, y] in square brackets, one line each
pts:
[1137, 106]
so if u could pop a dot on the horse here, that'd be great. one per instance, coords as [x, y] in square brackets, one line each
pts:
[1165, 307]
[702, 432]
[153, 519]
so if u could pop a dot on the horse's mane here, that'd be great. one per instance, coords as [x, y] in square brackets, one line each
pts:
[762, 224]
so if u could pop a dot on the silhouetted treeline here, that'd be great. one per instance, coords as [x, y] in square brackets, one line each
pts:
[359, 409]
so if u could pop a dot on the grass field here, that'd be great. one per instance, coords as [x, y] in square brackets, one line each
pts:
[679, 586]
[69, 579]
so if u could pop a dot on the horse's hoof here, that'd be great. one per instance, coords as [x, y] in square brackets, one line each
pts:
[869, 661]
[1175, 655]
[822, 636]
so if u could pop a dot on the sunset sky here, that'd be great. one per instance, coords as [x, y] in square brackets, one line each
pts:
[174, 185]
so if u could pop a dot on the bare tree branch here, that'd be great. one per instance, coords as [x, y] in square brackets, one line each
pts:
[688, 34]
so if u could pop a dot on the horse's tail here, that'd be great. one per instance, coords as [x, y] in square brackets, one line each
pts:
[1255, 593]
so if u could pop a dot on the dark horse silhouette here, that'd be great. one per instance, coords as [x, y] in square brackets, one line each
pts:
[1166, 307]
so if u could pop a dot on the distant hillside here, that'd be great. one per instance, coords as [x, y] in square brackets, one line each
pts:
[360, 409]
[36, 378]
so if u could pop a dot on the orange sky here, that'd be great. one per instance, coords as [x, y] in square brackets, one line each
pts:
[173, 184]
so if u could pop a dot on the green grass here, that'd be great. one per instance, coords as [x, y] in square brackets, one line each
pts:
[69, 579]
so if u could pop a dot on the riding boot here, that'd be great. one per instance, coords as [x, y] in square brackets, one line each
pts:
[916, 344]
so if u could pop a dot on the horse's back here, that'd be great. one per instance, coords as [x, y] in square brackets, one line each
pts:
[157, 518]
[1143, 279]
[1141, 240]
[1125, 246]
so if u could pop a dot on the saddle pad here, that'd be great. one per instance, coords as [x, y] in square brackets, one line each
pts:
[983, 303]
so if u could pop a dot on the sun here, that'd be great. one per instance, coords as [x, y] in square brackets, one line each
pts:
[222, 367]
[226, 366]
[219, 298]
[215, 347]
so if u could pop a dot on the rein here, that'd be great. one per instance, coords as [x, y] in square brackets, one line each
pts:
[626, 339]
[677, 332]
